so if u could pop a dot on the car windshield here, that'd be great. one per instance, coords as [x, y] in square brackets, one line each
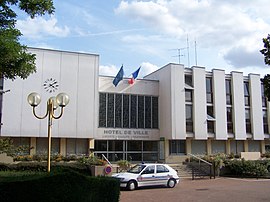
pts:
[137, 169]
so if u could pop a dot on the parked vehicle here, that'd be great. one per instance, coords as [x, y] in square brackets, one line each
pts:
[148, 174]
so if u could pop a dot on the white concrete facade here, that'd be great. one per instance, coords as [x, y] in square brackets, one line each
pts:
[78, 76]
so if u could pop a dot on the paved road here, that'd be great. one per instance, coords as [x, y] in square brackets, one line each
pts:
[220, 189]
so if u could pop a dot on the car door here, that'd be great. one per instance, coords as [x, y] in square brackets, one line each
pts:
[147, 177]
[162, 175]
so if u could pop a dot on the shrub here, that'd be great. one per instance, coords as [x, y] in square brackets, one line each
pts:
[65, 185]
[123, 165]
[246, 168]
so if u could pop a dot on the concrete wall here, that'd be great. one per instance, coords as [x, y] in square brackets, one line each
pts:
[76, 74]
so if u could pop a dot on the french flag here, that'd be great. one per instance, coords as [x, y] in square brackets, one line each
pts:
[134, 76]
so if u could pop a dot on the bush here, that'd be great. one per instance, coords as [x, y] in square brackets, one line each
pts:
[244, 168]
[64, 185]
[42, 167]
[123, 165]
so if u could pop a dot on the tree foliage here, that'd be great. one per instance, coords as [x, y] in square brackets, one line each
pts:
[266, 52]
[15, 61]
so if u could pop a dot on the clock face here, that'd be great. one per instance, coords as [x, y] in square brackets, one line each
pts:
[50, 85]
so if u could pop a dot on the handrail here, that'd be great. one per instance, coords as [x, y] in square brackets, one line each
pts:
[106, 159]
[210, 164]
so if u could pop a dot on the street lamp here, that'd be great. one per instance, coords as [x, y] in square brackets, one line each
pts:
[61, 100]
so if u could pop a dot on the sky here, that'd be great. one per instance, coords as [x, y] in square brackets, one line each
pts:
[215, 34]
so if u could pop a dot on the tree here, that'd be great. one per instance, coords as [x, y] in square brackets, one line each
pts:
[266, 52]
[15, 61]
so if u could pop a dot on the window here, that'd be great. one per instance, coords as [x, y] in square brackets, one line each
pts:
[140, 111]
[162, 169]
[128, 111]
[177, 147]
[210, 119]
[154, 112]
[209, 92]
[263, 97]
[102, 109]
[229, 120]
[118, 110]
[188, 80]
[149, 170]
[148, 108]
[246, 94]
[265, 122]
[248, 123]
[189, 118]
[110, 110]
[228, 92]
[133, 112]
[188, 95]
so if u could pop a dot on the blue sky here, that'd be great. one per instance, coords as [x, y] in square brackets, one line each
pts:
[149, 34]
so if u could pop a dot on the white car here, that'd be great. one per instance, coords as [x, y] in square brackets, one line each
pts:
[148, 174]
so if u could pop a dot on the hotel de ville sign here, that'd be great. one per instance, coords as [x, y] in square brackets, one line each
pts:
[127, 134]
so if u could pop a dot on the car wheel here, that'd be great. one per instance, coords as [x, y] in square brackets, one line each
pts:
[171, 183]
[131, 185]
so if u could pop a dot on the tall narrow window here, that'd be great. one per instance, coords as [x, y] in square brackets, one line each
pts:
[248, 123]
[110, 110]
[229, 120]
[228, 92]
[189, 118]
[118, 110]
[246, 94]
[148, 111]
[102, 110]
[126, 114]
[264, 100]
[133, 112]
[209, 92]
[265, 122]
[140, 111]
[155, 112]
[210, 119]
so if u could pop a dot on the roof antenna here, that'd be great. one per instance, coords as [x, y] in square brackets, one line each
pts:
[179, 55]
[188, 50]
[196, 61]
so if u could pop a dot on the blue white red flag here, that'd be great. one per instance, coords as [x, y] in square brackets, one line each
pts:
[134, 76]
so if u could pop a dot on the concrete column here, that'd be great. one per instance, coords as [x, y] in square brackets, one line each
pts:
[228, 146]
[167, 151]
[209, 146]
[263, 147]
[63, 146]
[188, 146]
[33, 145]
[245, 145]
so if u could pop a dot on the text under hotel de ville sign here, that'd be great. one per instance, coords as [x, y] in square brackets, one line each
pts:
[128, 134]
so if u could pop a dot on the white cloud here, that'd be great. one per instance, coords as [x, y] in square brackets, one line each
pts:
[39, 27]
[221, 26]
[147, 68]
[110, 70]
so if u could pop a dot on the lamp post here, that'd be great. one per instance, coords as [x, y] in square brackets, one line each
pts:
[60, 100]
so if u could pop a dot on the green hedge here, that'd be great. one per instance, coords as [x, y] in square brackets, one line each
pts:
[42, 166]
[65, 185]
[245, 168]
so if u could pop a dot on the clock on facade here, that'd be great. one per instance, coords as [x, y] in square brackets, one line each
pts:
[50, 85]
